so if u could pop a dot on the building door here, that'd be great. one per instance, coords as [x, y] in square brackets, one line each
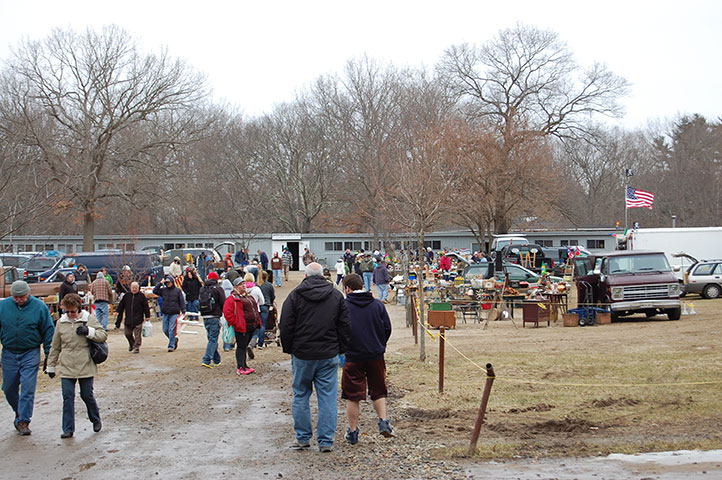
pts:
[293, 248]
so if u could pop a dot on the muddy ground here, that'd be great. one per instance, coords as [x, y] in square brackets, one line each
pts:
[166, 416]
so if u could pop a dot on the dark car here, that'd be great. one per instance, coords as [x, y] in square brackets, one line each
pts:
[519, 277]
[36, 266]
[145, 266]
[529, 255]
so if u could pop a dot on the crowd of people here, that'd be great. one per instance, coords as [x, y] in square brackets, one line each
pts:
[317, 325]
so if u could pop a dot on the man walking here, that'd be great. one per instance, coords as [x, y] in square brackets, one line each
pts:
[102, 293]
[287, 259]
[381, 278]
[134, 306]
[276, 266]
[172, 304]
[365, 365]
[25, 324]
[211, 302]
[366, 266]
[315, 328]
[263, 258]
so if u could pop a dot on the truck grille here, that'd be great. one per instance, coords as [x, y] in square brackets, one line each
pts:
[644, 292]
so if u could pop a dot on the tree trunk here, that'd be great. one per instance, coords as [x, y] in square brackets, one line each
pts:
[88, 232]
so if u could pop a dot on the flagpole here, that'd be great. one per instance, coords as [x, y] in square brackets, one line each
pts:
[625, 205]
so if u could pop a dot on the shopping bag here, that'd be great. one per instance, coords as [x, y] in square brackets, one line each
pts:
[147, 329]
[228, 334]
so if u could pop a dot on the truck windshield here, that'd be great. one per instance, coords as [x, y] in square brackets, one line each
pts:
[638, 264]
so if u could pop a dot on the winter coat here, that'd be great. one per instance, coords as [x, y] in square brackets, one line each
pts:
[340, 268]
[366, 264]
[241, 312]
[314, 321]
[175, 269]
[381, 275]
[276, 263]
[264, 260]
[219, 297]
[65, 288]
[71, 350]
[25, 327]
[191, 287]
[173, 301]
[134, 306]
[269, 293]
[370, 327]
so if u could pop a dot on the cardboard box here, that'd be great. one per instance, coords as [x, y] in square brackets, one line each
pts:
[570, 319]
[604, 318]
[442, 318]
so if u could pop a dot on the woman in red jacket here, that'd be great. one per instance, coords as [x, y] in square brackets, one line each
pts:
[241, 312]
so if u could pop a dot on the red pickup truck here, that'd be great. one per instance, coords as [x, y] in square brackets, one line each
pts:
[630, 282]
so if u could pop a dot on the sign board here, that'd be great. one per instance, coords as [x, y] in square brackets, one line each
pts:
[286, 236]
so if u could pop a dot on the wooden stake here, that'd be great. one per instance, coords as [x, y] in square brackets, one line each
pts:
[441, 359]
[482, 408]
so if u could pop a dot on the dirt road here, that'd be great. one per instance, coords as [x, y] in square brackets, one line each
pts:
[166, 416]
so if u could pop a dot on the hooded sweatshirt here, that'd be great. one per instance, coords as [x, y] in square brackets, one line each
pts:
[314, 321]
[370, 327]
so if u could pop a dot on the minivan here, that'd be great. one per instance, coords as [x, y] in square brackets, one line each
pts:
[145, 266]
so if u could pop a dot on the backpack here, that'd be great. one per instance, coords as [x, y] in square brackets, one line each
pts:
[206, 300]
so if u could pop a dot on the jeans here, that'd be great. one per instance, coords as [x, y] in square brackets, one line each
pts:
[368, 278]
[213, 328]
[260, 332]
[323, 375]
[170, 327]
[101, 313]
[192, 306]
[20, 376]
[277, 278]
[86, 394]
[383, 290]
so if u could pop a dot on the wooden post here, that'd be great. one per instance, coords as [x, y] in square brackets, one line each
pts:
[414, 320]
[441, 359]
[482, 408]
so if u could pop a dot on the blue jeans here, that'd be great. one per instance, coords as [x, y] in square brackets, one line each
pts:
[277, 277]
[86, 394]
[368, 278]
[20, 376]
[101, 313]
[213, 328]
[323, 375]
[192, 306]
[260, 332]
[383, 290]
[170, 328]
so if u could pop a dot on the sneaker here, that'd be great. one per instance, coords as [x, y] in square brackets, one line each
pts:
[299, 445]
[66, 434]
[240, 371]
[325, 448]
[247, 371]
[385, 428]
[97, 426]
[171, 349]
[23, 428]
[130, 349]
[261, 347]
[207, 365]
[176, 344]
[217, 364]
[249, 351]
[136, 351]
[351, 437]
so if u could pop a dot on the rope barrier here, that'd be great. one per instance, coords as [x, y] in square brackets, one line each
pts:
[435, 335]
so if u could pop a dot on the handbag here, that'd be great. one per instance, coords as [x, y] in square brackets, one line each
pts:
[228, 335]
[98, 351]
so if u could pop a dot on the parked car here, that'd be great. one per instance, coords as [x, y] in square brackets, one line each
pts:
[182, 253]
[145, 266]
[705, 278]
[36, 266]
[519, 277]
[558, 257]
[528, 255]
[630, 282]
[15, 260]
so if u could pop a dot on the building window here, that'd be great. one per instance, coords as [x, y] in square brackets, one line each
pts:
[434, 244]
[595, 244]
[544, 243]
[569, 243]
[333, 246]
[208, 245]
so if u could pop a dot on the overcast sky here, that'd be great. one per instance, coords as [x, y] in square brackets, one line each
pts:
[257, 54]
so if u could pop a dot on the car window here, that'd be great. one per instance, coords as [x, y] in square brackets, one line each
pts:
[516, 273]
[705, 269]
[41, 264]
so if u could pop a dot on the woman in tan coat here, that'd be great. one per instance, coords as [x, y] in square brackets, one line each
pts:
[69, 353]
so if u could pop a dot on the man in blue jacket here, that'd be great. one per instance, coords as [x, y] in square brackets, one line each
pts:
[25, 324]
[365, 365]
[171, 306]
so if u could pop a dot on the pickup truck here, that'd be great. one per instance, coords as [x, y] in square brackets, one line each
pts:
[10, 274]
[630, 282]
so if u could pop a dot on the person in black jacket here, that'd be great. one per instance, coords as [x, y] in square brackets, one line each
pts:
[172, 304]
[365, 365]
[315, 329]
[134, 306]
[68, 286]
[191, 287]
[212, 320]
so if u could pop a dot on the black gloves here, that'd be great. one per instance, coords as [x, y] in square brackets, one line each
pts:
[82, 330]
[51, 374]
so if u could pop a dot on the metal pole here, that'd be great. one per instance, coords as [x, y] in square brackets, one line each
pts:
[441, 359]
[625, 207]
[482, 408]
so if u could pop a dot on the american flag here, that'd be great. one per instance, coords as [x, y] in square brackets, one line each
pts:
[639, 198]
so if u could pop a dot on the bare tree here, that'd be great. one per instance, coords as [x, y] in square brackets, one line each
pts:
[524, 83]
[94, 105]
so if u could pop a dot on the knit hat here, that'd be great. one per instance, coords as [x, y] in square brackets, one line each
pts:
[237, 281]
[168, 278]
[19, 288]
[213, 276]
[100, 275]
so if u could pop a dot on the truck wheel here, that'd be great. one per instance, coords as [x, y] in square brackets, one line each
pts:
[711, 291]
[674, 313]
[615, 316]
[650, 313]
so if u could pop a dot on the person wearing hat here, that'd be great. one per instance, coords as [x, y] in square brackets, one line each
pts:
[172, 305]
[25, 324]
[175, 268]
[287, 259]
[216, 297]
[102, 294]
[241, 312]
